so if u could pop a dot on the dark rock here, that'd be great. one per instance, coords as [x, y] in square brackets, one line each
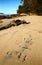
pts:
[18, 22]
[14, 23]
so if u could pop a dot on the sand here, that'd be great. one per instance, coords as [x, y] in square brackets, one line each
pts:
[22, 45]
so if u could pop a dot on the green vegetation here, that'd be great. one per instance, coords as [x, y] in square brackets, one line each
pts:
[30, 6]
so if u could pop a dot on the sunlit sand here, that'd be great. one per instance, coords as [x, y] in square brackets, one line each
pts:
[21, 45]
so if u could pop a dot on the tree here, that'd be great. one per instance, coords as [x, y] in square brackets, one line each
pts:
[20, 9]
[33, 6]
[24, 8]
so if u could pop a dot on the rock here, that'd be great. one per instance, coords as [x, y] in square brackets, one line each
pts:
[14, 23]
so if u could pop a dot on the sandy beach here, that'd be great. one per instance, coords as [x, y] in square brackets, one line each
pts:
[21, 45]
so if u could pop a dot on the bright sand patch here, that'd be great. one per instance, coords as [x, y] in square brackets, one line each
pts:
[22, 45]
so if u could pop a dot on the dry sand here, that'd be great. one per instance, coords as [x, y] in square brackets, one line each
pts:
[22, 45]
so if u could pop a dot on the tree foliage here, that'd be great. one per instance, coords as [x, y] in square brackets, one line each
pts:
[33, 6]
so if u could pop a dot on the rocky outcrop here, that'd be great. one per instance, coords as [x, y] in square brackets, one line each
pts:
[13, 23]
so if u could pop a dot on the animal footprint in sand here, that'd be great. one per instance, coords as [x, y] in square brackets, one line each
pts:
[9, 54]
[28, 42]
[20, 53]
